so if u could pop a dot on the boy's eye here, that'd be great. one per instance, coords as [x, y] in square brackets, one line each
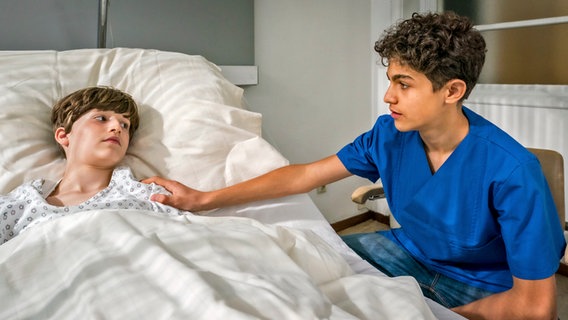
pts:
[125, 125]
[100, 118]
[403, 85]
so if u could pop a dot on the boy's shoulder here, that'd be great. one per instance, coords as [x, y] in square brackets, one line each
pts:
[123, 177]
[40, 186]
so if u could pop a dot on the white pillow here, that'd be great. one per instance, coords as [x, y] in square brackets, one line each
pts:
[191, 117]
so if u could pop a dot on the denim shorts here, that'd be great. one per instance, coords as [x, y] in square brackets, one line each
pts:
[394, 261]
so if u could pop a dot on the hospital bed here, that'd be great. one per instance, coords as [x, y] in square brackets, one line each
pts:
[277, 259]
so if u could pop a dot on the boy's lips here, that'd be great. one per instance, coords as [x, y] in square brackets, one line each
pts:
[113, 140]
[395, 114]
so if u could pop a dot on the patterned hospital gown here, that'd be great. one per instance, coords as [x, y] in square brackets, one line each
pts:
[26, 206]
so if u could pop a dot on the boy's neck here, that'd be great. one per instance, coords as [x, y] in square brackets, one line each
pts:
[79, 185]
[439, 145]
[447, 134]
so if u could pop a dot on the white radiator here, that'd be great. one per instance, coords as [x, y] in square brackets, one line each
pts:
[535, 115]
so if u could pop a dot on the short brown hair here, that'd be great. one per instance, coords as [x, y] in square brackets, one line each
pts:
[71, 107]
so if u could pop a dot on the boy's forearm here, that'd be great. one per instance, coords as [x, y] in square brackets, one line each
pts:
[495, 308]
[288, 180]
[278, 183]
[529, 302]
[281, 182]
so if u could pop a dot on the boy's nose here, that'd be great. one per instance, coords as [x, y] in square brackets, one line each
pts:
[389, 98]
[115, 125]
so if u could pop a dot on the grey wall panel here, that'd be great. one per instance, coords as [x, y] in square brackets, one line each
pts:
[220, 30]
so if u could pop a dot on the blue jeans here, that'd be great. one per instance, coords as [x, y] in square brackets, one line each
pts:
[394, 261]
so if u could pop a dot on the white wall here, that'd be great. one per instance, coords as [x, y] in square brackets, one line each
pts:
[315, 83]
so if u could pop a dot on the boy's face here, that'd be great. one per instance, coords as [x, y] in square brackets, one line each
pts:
[412, 101]
[98, 138]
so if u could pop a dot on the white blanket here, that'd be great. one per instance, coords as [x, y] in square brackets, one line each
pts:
[135, 265]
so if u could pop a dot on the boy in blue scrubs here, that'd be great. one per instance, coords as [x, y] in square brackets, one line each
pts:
[479, 229]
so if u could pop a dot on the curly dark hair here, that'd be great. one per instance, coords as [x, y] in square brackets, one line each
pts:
[442, 46]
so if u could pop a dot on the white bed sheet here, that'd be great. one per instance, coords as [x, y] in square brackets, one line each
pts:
[299, 211]
[132, 264]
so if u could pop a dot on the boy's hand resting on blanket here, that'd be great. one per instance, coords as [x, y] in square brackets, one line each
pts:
[182, 197]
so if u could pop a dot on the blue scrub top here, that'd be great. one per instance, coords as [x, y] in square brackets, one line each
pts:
[486, 214]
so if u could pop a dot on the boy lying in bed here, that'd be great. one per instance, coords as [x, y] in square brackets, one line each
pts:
[480, 231]
[93, 127]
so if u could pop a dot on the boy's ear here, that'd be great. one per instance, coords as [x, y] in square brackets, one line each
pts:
[61, 137]
[455, 90]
